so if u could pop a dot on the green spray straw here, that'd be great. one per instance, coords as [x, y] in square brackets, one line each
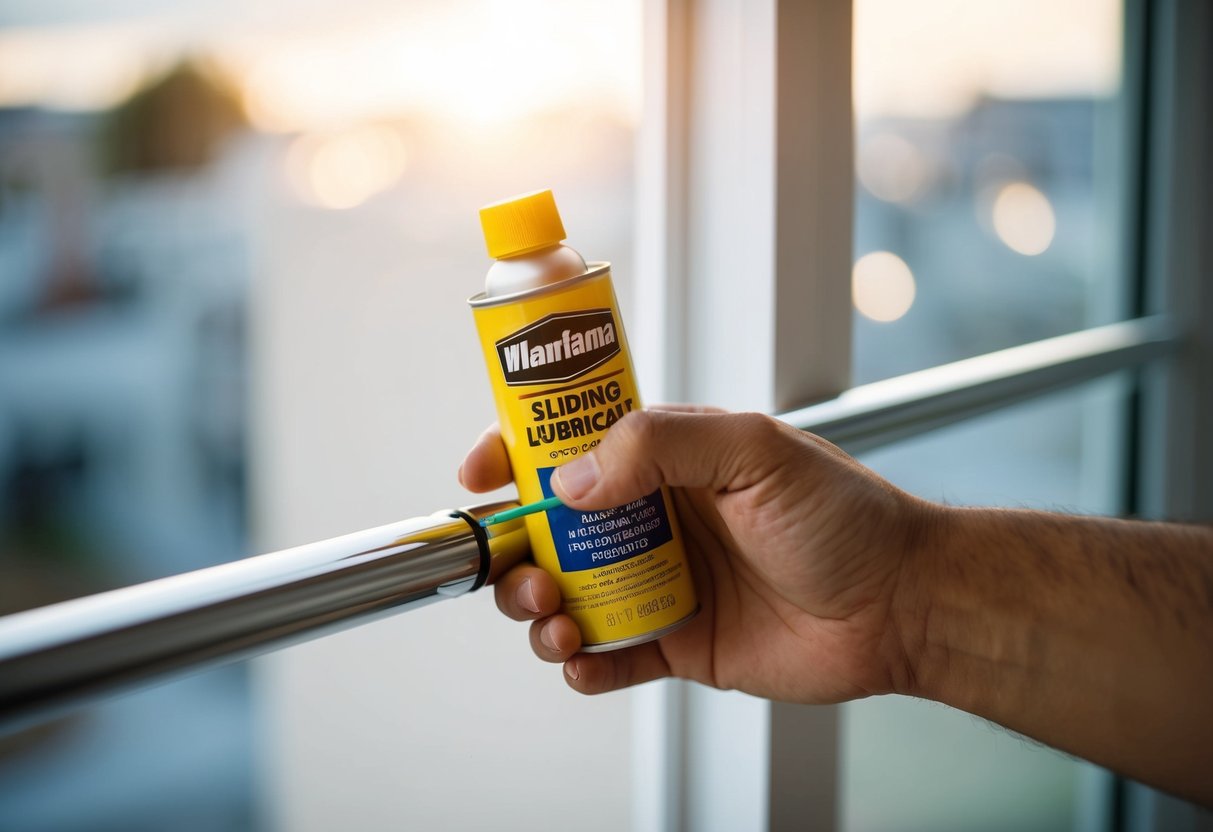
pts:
[521, 511]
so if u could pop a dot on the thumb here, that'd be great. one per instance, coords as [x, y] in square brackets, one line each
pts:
[648, 448]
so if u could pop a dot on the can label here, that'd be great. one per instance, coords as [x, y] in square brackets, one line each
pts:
[561, 376]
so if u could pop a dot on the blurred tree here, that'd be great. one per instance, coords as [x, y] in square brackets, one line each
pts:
[177, 121]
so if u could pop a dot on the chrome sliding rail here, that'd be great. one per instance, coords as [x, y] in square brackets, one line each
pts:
[876, 414]
[63, 655]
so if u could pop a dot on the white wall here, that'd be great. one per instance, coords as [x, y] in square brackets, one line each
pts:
[368, 388]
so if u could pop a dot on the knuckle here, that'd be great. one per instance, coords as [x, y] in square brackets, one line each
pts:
[638, 428]
[760, 425]
[764, 433]
[637, 446]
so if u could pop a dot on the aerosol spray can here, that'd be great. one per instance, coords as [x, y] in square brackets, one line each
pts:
[561, 373]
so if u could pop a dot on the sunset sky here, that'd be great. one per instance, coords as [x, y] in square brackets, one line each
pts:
[307, 64]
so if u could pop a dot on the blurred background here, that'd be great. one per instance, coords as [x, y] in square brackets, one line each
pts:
[166, 168]
[196, 194]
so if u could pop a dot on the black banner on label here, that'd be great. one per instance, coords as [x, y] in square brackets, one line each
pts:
[559, 347]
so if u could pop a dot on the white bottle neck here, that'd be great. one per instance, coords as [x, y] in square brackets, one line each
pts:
[528, 271]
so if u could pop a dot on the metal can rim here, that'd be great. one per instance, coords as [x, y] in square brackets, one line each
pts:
[594, 269]
[641, 638]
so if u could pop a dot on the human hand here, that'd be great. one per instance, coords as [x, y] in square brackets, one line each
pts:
[798, 554]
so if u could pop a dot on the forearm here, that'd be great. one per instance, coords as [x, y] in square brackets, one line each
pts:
[1091, 635]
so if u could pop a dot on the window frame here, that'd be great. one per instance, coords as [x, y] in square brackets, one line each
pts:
[796, 134]
[746, 142]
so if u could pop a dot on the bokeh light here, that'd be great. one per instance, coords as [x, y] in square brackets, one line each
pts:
[344, 169]
[1023, 218]
[882, 286]
[892, 168]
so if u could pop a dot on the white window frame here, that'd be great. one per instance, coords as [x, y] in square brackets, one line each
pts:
[744, 223]
[744, 205]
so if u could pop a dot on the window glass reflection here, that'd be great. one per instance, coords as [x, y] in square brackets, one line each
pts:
[989, 162]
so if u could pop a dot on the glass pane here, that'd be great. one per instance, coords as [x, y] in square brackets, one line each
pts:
[123, 292]
[990, 168]
[188, 186]
[173, 757]
[914, 765]
[370, 374]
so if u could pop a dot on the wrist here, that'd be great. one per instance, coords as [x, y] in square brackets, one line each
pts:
[929, 556]
[970, 617]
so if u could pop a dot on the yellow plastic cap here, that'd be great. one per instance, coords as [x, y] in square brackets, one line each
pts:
[521, 224]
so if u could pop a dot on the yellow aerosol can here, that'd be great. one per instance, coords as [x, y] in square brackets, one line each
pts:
[561, 373]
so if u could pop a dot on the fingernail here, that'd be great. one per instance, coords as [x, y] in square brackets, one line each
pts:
[545, 636]
[459, 475]
[526, 596]
[570, 670]
[577, 477]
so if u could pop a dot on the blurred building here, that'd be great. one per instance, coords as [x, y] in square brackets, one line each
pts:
[927, 192]
[123, 303]
[121, 322]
